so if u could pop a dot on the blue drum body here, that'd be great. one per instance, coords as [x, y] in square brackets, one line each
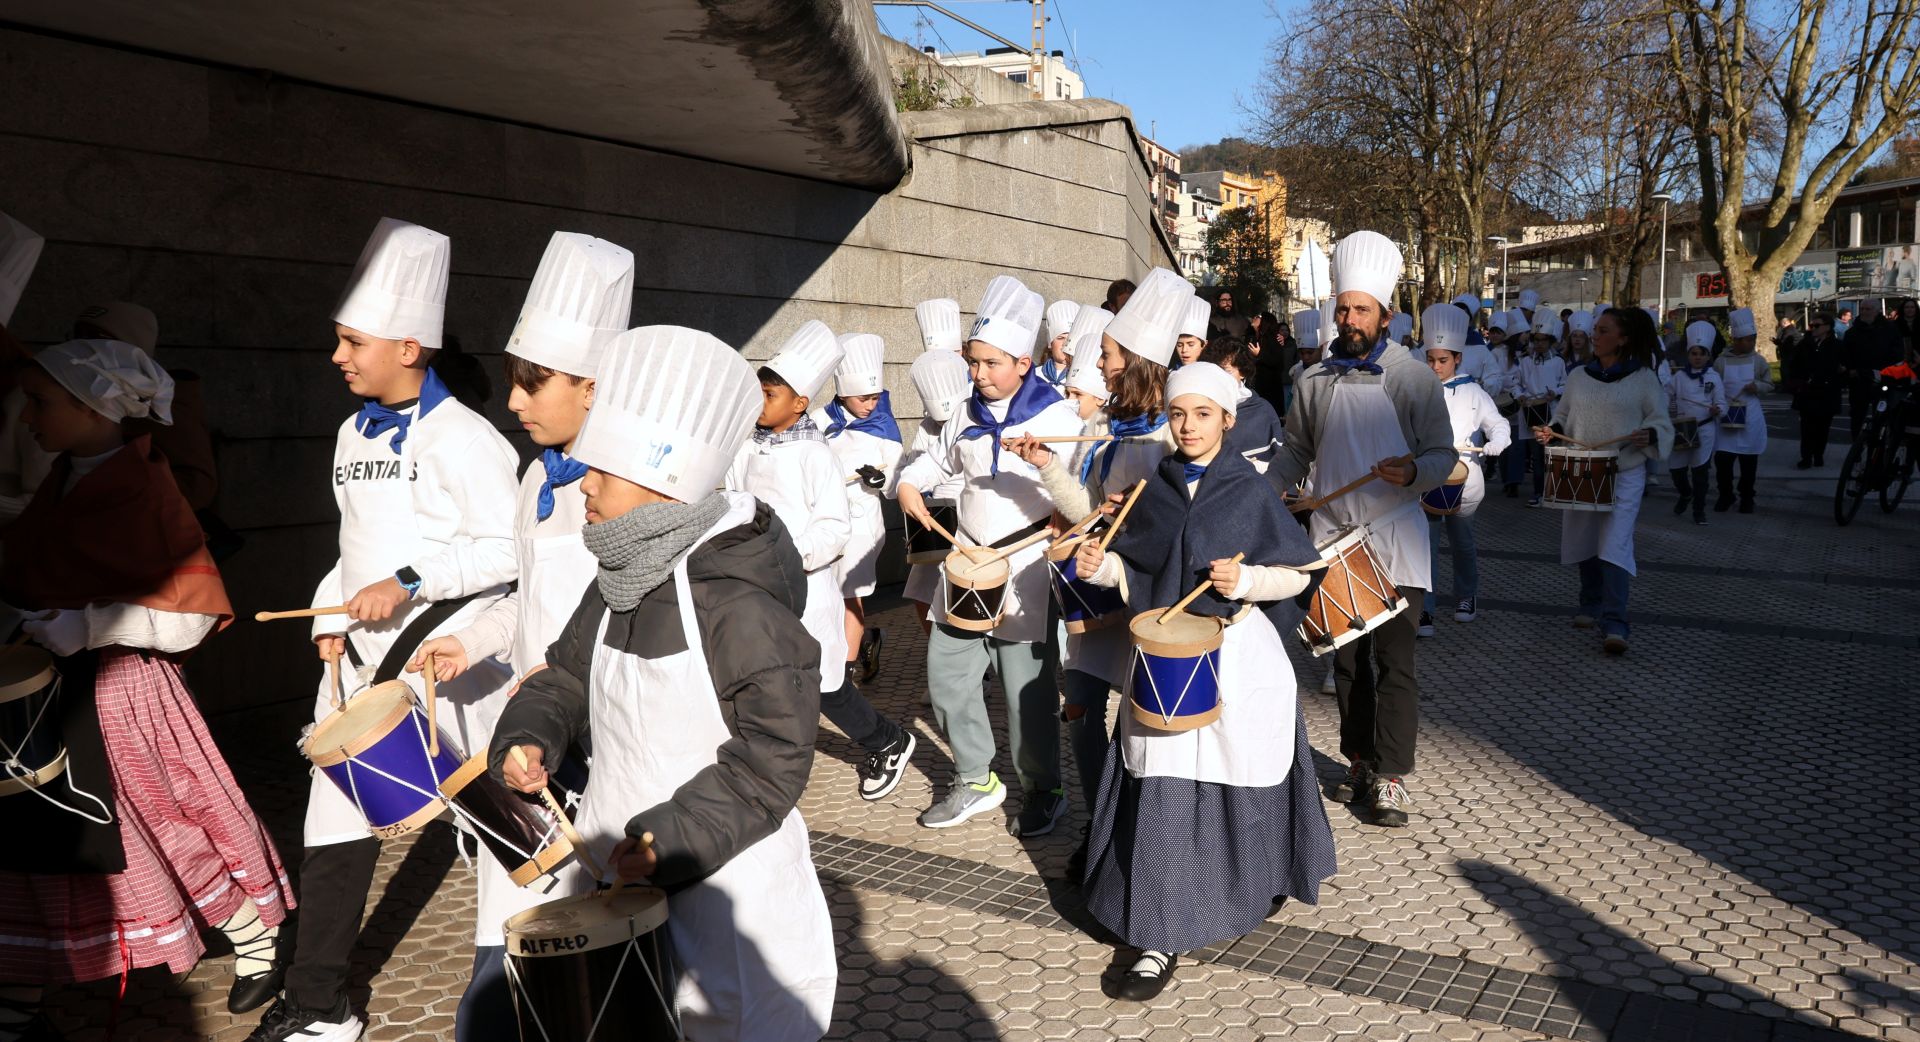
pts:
[376, 751]
[1083, 606]
[1443, 500]
[1174, 684]
[1736, 416]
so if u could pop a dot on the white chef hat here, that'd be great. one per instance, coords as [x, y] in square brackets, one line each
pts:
[1306, 329]
[1580, 322]
[581, 297]
[1701, 334]
[1443, 328]
[1468, 301]
[399, 286]
[943, 382]
[1083, 342]
[1088, 379]
[808, 357]
[939, 323]
[122, 321]
[112, 377]
[1740, 323]
[1060, 316]
[1515, 322]
[1400, 325]
[1198, 315]
[862, 365]
[1008, 317]
[1206, 380]
[1149, 322]
[1529, 299]
[671, 408]
[1546, 323]
[1367, 262]
[19, 252]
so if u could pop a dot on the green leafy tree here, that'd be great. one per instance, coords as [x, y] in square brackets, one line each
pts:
[1241, 250]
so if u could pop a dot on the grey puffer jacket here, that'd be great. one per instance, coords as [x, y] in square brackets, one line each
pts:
[748, 590]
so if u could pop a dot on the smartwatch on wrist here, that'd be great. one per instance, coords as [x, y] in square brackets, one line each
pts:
[409, 581]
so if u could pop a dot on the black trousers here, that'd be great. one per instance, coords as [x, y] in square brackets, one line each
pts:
[1815, 426]
[1379, 693]
[852, 713]
[334, 881]
[1723, 469]
[1692, 483]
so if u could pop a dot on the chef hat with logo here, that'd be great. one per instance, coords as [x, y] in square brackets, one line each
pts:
[581, 297]
[808, 357]
[1083, 342]
[862, 365]
[399, 286]
[1149, 323]
[113, 378]
[1444, 328]
[1580, 322]
[671, 408]
[1060, 316]
[1400, 325]
[1306, 329]
[943, 382]
[119, 320]
[1088, 379]
[1701, 334]
[1008, 317]
[1529, 299]
[19, 253]
[1367, 262]
[1740, 323]
[939, 323]
[1546, 323]
[1194, 323]
[1468, 301]
[1206, 380]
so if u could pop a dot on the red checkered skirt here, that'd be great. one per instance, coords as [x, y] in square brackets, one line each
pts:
[194, 848]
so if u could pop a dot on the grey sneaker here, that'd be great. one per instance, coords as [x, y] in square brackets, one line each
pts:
[1040, 815]
[1389, 799]
[963, 802]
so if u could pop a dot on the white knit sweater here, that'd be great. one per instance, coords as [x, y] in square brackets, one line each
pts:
[1595, 412]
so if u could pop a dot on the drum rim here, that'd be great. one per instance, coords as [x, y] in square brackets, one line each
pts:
[372, 736]
[17, 687]
[968, 582]
[53, 768]
[1333, 540]
[453, 784]
[543, 861]
[649, 916]
[1176, 648]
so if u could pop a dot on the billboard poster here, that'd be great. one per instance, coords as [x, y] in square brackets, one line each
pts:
[1888, 269]
[1801, 284]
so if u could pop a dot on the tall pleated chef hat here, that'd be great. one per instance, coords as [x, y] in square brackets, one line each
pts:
[1008, 317]
[1367, 262]
[19, 253]
[399, 286]
[1529, 299]
[1306, 329]
[1546, 323]
[114, 378]
[808, 357]
[1701, 334]
[1088, 379]
[1060, 316]
[1401, 324]
[939, 323]
[1740, 323]
[1083, 343]
[1580, 322]
[862, 367]
[1207, 380]
[1148, 324]
[943, 382]
[1515, 323]
[581, 297]
[671, 408]
[1468, 301]
[1443, 327]
[1198, 316]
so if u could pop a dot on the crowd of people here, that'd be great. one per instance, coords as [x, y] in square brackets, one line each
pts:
[673, 592]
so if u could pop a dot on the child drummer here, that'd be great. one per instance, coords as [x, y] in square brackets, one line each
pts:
[1198, 831]
[860, 429]
[687, 666]
[940, 378]
[426, 492]
[1698, 394]
[1476, 423]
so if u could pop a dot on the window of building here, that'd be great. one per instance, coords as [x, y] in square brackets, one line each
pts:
[1017, 77]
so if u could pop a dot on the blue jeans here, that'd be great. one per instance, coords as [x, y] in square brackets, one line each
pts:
[1088, 736]
[1466, 562]
[1603, 595]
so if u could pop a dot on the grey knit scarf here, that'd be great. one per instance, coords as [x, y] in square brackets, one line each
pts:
[638, 549]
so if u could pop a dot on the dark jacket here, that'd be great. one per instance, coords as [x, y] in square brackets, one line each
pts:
[1811, 370]
[1870, 347]
[749, 590]
[1229, 324]
[1256, 429]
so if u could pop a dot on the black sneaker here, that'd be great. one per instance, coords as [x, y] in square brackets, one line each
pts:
[881, 772]
[1148, 977]
[870, 642]
[1039, 815]
[1467, 610]
[285, 1022]
[1682, 505]
[1425, 628]
[1359, 784]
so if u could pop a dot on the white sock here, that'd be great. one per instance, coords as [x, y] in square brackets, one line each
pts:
[253, 940]
[1152, 962]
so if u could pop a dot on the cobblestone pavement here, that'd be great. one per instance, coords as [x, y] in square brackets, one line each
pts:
[1710, 838]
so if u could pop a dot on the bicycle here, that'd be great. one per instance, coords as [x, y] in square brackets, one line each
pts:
[1882, 458]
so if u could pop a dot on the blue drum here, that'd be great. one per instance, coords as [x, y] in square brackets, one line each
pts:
[1736, 416]
[1174, 684]
[1083, 606]
[376, 750]
[1445, 499]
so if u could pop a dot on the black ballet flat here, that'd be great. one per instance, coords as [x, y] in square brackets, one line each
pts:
[1138, 986]
[251, 992]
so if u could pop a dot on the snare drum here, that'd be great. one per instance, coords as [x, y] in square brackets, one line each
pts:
[520, 834]
[1083, 606]
[593, 968]
[1356, 595]
[1174, 684]
[1686, 435]
[375, 749]
[926, 546]
[1580, 479]
[974, 596]
[30, 741]
[1735, 418]
[1446, 499]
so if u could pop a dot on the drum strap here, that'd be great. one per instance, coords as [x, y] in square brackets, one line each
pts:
[413, 636]
[1015, 537]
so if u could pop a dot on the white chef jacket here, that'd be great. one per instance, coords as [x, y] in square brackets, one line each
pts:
[858, 567]
[802, 481]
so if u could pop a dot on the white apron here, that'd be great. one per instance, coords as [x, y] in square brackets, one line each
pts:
[1607, 535]
[1246, 746]
[1691, 400]
[1361, 428]
[754, 939]
[1751, 439]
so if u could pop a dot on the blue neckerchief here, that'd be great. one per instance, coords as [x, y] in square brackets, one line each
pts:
[1458, 380]
[1054, 375]
[1699, 377]
[803, 429]
[562, 470]
[879, 423]
[1191, 472]
[1608, 374]
[1369, 364]
[376, 419]
[1029, 401]
[1132, 428]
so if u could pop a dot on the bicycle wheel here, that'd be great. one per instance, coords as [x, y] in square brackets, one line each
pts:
[1899, 473]
[1854, 475]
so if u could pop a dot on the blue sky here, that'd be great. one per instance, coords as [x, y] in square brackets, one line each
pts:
[1185, 67]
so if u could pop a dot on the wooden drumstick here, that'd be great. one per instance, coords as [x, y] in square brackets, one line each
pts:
[1078, 526]
[970, 551]
[433, 729]
[1073, 439]
[1121, 517]
[1181, 605]
[560, 818]
[303, 613]
[1009, 551]
[339, 690]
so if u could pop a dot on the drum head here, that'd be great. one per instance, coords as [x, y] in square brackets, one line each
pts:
[24, 669]
[1338, 540]
[1182, 634]
[581, 924]
[1459, 474]
[367, 717]
[962, 570]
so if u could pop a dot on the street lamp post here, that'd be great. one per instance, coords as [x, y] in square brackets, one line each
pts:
[1501, 241]
[1664, 199]
[1583, 292]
